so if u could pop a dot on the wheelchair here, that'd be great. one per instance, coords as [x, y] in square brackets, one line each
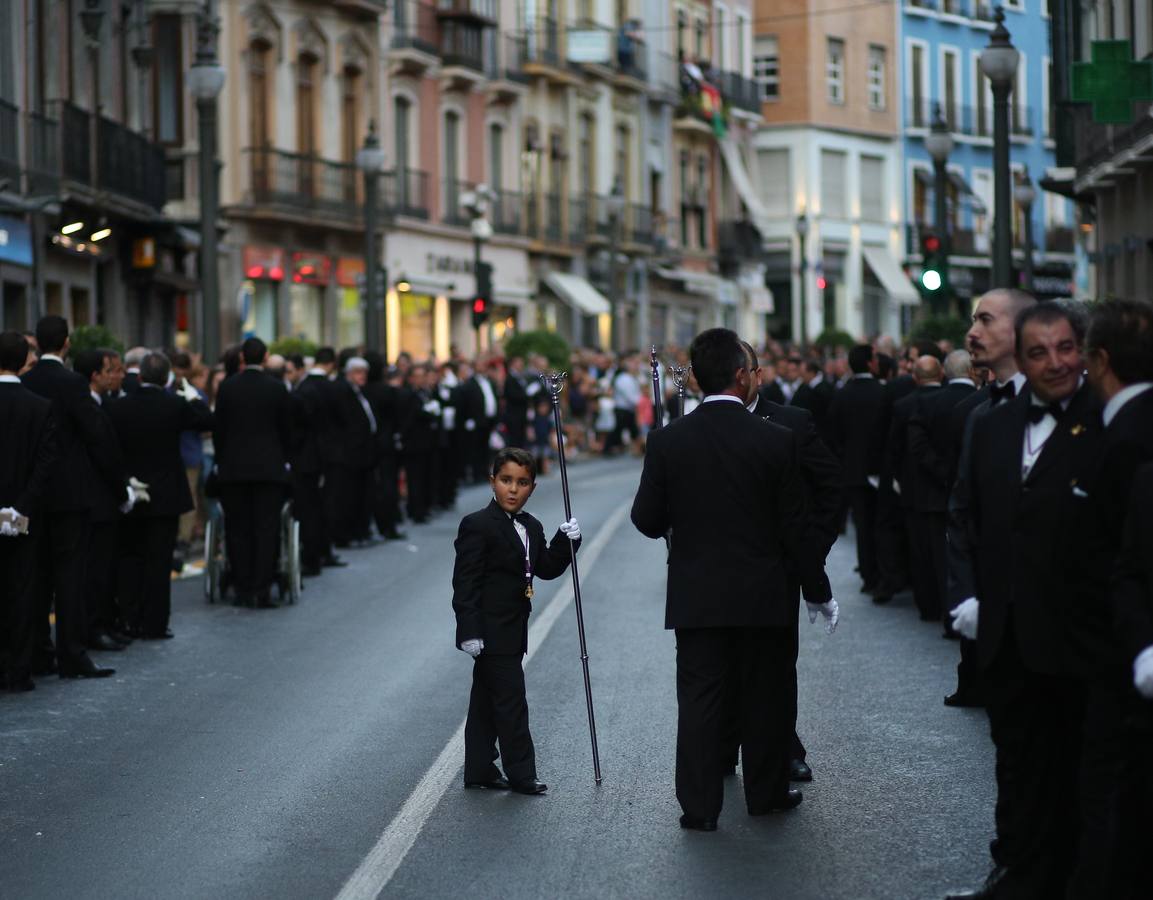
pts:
[289, 580]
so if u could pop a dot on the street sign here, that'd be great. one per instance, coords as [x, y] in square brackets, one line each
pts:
[1112, 81]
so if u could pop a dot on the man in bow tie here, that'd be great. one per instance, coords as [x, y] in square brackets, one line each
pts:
[1021, 458]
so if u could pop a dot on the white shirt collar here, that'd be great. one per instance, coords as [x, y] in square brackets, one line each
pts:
[254, 368]
[1034, 400]
[1122, 397]
[968, 381]
[712, 398]
[9, 379]
[95, 396]
[320, 372]
[816, 379]
[857, 375]
[53, 357]
[1018, 380]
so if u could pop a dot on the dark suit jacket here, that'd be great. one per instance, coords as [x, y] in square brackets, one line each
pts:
[772, 392]
[819, 469]
[419, 429]
[384, 399]
[729, 486]
[29, 450]
[107, 499]
[488, 579]
[855, 419]
[1020, 531]
[253, 429]
[149, 423]
[84, 449]
[472, 404]
[816, 400]
[313, 440]
[358, 446]
[899, 464]
[1132, 586]
[934, 448]
[515, 400]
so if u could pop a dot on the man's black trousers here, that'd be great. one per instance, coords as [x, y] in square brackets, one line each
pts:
[863, 507]
[252, 534]
[308, 509]
[145, 571]
[17, 610]
[61, 550]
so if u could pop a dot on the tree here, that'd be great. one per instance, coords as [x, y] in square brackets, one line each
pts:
[547, 343]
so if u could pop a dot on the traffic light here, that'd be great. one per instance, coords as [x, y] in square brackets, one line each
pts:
[479, 311]
[484, 280]
[933, 264]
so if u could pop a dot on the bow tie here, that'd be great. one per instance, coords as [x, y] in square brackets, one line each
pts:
[1037, 413]
[1006, 391]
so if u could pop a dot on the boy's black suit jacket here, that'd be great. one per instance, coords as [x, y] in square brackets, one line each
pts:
[729, 486]
[488, 580]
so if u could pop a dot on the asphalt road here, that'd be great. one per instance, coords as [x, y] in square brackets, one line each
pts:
[271, 753]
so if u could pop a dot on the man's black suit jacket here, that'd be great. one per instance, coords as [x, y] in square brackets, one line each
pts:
[899, 463]
[819, 469]
[1020, 531]
[84, 450]
[773, 392]
[149, 423]
[855, 418]
[107, 498]
[472, 404]
[729, 486]
[815, 399]
[419, 428]
[358, 444]
[253, 429]
[934, 448]
[488, 578]
[1132, 584]
[29, 450]
[384, 399]
[313, 441]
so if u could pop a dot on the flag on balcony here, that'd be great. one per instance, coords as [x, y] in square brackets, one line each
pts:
[713, 110]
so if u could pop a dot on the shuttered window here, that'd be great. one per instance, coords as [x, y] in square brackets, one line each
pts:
[833, 184]
[872, 189]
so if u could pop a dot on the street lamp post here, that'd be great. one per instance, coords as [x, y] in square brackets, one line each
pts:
[370, 160]
[939, 144]
[476, 203]
[800, 321]
[205, 81]
[1025, 194]
[999, 63]
[616, 204]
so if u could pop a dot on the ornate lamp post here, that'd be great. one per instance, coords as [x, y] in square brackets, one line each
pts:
[206, 81]
[801, 318]
[1025, 194]
[370, 160]
[616, 206]
[999, 63]
[939, 144]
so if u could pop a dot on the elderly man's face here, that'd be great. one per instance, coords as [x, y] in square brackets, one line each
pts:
[358, 376]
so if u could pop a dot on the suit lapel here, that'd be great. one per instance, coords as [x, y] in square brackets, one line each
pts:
[504, 524]
[1067, 429]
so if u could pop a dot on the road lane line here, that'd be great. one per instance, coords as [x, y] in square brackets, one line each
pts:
[383, 861]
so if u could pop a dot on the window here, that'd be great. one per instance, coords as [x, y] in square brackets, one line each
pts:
[774, 181]
[876, 77]
[922, 178]
[699, 41]
[585, 156]
[918, 95]
[306, 104]
[872, 189]
[682, 33]
[1019, 110]
[402, 113]
[169, 90]
[950, 71]
[835, 70]
[833, 184]
[720, 23]
[496, 156]
[350, 106]
[740, 64]
[982, 200]
[982, 99]
[621, 163]
[686, 197]
[702, 193]
[1046, 110]
[452, 147]
[767, 67]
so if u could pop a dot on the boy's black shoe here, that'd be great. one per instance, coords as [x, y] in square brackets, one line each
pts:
[799, 771]
[499, 783]
[694, 824]
[790, 800]
[530, 787]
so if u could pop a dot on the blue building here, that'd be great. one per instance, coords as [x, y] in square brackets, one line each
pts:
[941, 44]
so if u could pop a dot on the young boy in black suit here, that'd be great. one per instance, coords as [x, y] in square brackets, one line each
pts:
[499, 551]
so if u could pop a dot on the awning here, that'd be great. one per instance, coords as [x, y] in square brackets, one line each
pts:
[744, 185]
[696, 282]
[578, 293]
[431, 285]
[513, 297]
[895, 282]
[963, 190]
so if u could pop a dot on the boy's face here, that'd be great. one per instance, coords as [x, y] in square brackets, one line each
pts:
[512, 486]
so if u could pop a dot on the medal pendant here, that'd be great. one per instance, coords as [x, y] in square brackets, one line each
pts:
[528, 591]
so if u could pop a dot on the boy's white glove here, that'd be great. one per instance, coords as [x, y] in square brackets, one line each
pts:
[965, 618]
[571, 529]
[1143, 673]
[472, 647]
[829, 610]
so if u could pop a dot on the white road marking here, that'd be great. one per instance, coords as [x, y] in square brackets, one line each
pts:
[382, 862]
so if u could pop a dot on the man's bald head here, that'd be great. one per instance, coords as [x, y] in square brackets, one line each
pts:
[991, 339]
[927, 370]
[958, 364]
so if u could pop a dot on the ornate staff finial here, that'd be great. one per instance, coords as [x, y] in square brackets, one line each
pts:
[554, 383]
[680, 376]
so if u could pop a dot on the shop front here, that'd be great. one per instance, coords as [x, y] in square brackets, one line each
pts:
[15, 274]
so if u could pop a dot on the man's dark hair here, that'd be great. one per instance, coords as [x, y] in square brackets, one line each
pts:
[1046, 313]
[296, 359]
[231, 360]
[886, 366]
[324, 356]
[154, 369]
[89, 362]
[930, 348]
[716, 355]
[253, 350]
[13, 351]
[813, 367]
[516, 456]
[180, 360]
[859, 358]
[51, 334]
[1124, 330]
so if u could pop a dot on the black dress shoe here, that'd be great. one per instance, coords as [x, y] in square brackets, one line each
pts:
[799, 771]
[496, 784]
[84, 668]
[103, 641]
[791, 800]
[692, 823]
[165, 635]
[985, 891]
[964, 700]
[333, 562]
[530, 786]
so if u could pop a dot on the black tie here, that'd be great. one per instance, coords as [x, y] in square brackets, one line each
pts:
[1006, 391]
[1037, 413]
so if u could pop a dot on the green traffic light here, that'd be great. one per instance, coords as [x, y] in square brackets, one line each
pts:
[931, 280]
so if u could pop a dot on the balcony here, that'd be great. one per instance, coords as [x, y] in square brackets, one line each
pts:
[553, 222]
[130, 164]
[505, 72]
[738, 241]
[9, 144]
[462, 44]
[640, 224]
[43, 154]
[579, 219]
[404, 192]
[415, 38]
[542, 44]
[454, 189]
[740, 92]
[505, 213]
[302, 184]
[482, 12]
[1021, 121]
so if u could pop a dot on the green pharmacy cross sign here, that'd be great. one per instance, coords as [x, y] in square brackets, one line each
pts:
[1112, 81]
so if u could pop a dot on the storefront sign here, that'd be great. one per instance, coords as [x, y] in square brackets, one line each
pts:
[15, 241]
[264, 262]
[311, 268]
[350, 271]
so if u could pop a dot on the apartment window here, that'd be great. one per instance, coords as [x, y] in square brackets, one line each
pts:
[496, 156]
[7, 53]
[833, 184]
[720, 23]
[950, 65]
[742, 48]
[918, 115]
[585, 156]
[982, 100]
[402, 114]
[1019, 110]
[767, 67]
[452, 145]
[306, 104]
[686, 197]
[983, 194]
[557, 160]
[621, 167]
[773, 166]
[682, 33]
[835, 70]
[872, 189]
[168, 98]
[699, 41]
[702, 193]
[1046, 111]
[876, 77]
[921, 180]
[350, 106]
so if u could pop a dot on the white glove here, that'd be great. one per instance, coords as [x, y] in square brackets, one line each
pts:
[896, 487]
[472, 647]
[829, 610]
[187, 391]
[965, 618]
[874, 482]
[12, 524]
[137, 492]
[571, 529]
[470, 425]
[1143, 673]
[432, 407]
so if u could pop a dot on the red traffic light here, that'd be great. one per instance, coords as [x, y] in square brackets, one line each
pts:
[480, 305]
[931, 243]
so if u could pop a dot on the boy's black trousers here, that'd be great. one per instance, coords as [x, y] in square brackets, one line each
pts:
[498, 711]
